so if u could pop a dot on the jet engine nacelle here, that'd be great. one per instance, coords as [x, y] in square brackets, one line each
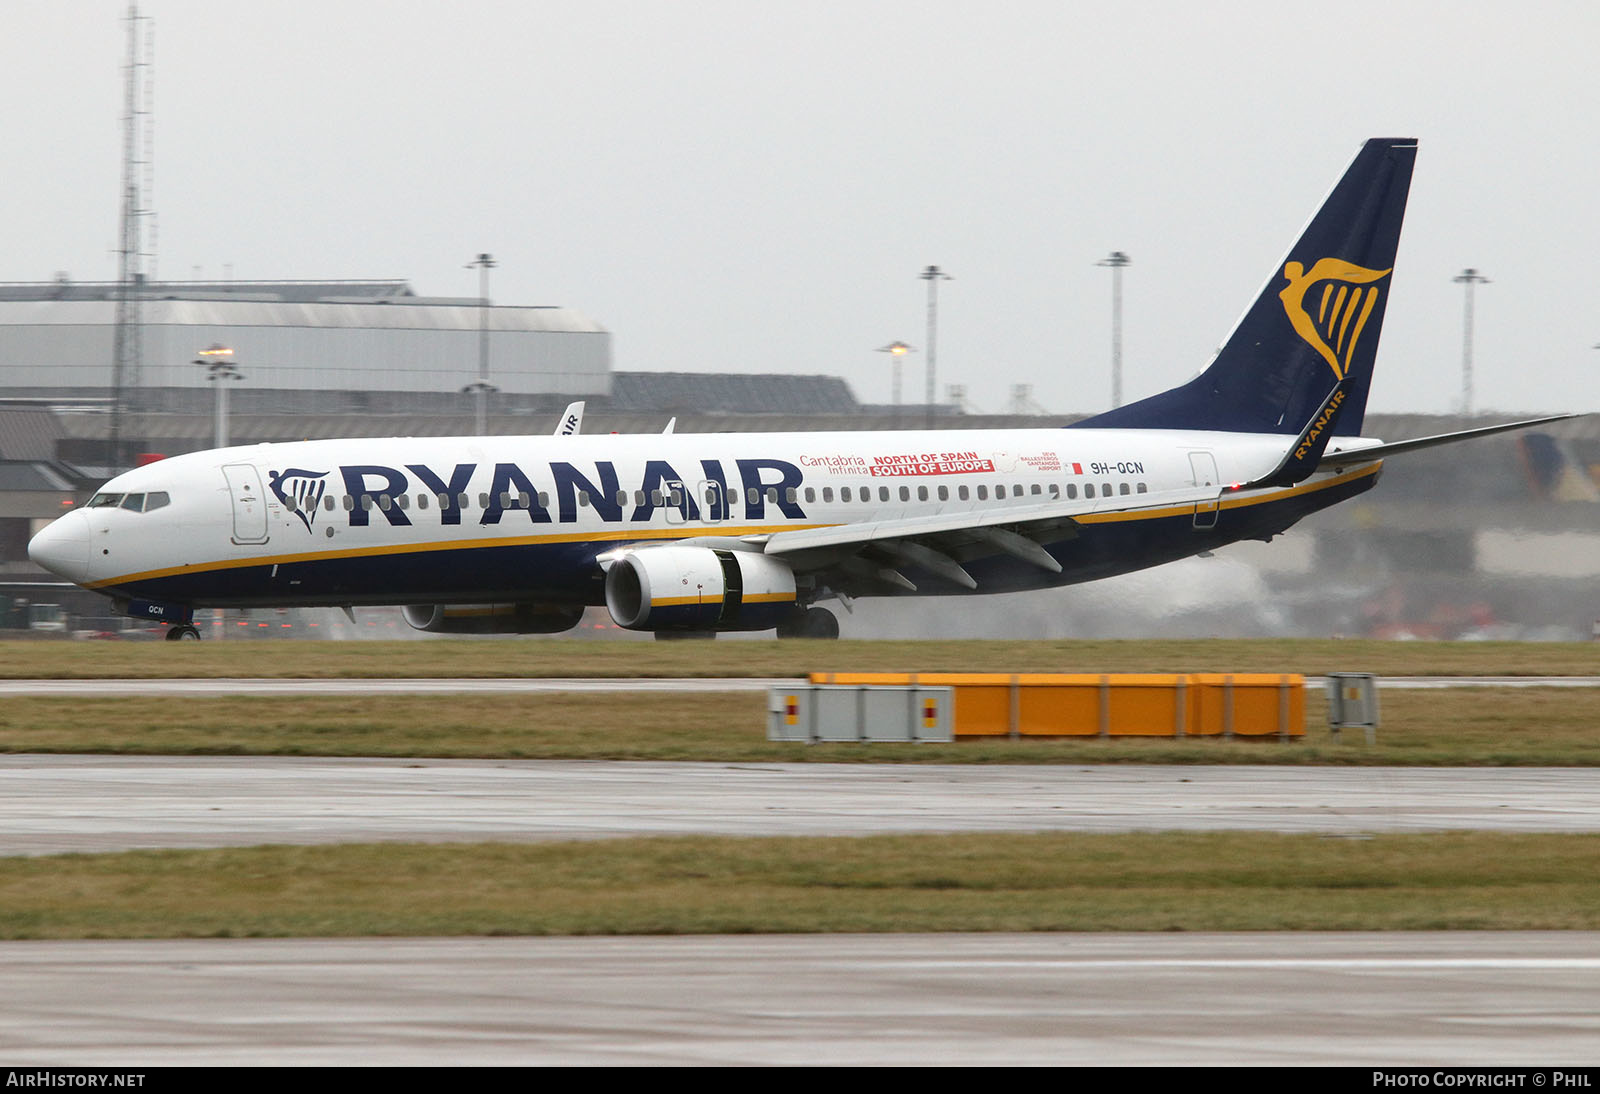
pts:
[493, 618]
[698, 588]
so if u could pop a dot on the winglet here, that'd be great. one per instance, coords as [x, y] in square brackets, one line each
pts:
[571, 420]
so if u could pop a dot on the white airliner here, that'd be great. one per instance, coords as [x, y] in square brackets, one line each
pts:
[693, 534]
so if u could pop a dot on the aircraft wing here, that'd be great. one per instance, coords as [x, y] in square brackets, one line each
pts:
[871, 553]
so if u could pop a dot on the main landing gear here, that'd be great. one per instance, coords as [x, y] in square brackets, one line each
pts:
[183, 632]
[810, 623]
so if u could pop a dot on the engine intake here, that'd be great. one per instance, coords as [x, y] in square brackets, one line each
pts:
[698, 588]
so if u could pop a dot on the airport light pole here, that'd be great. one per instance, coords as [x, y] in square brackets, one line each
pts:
[1470, 278]
[896, 351]
[483, 264]
[217, 360]
[932, 275]
[1118, 261]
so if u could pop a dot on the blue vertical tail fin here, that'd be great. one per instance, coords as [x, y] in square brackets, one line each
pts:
[1315, 324]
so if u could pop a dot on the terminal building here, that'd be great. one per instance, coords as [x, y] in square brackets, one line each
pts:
[302, 347]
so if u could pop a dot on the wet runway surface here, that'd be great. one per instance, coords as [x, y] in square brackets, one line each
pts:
[52, 803]
[1369, 1000]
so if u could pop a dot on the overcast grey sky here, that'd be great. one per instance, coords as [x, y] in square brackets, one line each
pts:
[731, 185]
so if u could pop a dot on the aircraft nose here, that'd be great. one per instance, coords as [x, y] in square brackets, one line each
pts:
[62, 547]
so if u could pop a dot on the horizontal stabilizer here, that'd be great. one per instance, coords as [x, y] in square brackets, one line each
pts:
[1343, 458]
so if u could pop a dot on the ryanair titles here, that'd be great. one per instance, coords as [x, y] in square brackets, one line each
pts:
[1323, 423]
[549, 493]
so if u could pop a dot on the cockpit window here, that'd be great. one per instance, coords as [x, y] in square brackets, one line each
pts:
[134, 503]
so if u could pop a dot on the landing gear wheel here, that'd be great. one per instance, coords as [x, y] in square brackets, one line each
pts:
[183, 632]
[810, 623]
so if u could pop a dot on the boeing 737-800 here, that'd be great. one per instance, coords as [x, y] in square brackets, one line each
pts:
[686, 534]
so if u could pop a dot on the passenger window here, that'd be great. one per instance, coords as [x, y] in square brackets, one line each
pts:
[1143, 489]
[827, 493]
[1105, 488]
[883, 493]
[844, 493]
[463, 501]
[1000, 490]
[1072, 491]
[405, 501]
[505, 499]
[366, 503]
[328, 503]
[944, 493]
[348, 502]
[622, 497]
[752, 495]
[772, 494]
[638, 498]
[794, 495]
[1088, 489]
[583, 498]
[922, 493]
[962, 493]
[383, 502]
[1055, 490]
[811, 495]
[1035, 489]
[483, 500]
[544, 499]
[905, 493]
[133, 503]
[983, 493]
[1122, 488]
[422, 501]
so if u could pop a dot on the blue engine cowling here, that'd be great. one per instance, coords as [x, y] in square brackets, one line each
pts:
[493, 618]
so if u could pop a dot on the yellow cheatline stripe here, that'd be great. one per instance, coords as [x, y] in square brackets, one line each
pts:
[1226, 502]
[641, 535]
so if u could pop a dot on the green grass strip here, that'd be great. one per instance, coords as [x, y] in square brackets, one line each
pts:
[1055, 882]
[1470, 726]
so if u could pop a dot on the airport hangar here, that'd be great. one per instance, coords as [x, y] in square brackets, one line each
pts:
[1498, 536]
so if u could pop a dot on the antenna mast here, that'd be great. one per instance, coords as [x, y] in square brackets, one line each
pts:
[137, 181]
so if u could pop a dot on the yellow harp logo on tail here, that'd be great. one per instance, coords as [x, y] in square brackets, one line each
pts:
[1331, 320]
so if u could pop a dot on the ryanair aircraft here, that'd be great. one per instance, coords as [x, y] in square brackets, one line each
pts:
[683, 534]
